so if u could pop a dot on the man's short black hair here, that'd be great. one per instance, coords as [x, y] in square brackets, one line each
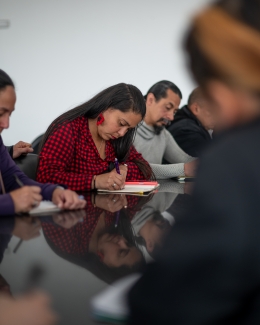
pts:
[159, 90]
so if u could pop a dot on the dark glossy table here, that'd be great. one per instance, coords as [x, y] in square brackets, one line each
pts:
[80, 253]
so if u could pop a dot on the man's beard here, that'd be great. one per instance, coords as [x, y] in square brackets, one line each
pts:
[158, 128]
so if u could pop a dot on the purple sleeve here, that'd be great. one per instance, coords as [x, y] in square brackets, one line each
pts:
[8, 168]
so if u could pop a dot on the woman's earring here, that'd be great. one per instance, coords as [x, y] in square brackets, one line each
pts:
[101, 256]
[100, 119]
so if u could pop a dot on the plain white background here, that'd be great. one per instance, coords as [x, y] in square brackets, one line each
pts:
[61, 52]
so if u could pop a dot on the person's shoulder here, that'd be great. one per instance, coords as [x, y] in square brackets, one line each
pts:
[236, 144]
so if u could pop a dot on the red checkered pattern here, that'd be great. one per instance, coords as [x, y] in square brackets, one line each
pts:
[70, 157]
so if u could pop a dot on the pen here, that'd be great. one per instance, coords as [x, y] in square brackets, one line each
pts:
[18, 181]
[117, 166]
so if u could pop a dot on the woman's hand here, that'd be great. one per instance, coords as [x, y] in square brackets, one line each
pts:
[67, 199]
[112, 181]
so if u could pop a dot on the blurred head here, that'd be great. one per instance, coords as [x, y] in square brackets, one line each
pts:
[200, 107]
[7, 100]
[116, 251]
[162, 101]
[226, 60]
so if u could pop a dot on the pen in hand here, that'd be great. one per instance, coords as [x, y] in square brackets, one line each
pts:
[117, 166]
[18, 181]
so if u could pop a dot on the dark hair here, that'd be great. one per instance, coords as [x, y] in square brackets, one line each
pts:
[246, 11]
[159, 90]
[5, 80]
[123, 97]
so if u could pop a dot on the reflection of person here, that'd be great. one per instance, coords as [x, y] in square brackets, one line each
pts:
[103, 242]
[80, 146]
[192, 123]
[25, 228]
[210, 265]
[20, 148]
[154, 141]
[152, 224]
[12, 198]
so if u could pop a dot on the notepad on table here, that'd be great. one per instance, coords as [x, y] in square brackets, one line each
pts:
[45, 207]
[135, 187]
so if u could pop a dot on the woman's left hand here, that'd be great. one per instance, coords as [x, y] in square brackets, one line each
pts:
[67, 199]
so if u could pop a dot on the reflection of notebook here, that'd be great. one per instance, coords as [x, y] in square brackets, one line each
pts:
[183, 179]
[45, 207]
[110, 306]
[135, 187]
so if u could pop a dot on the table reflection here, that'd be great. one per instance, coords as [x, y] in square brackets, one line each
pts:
[113, 236]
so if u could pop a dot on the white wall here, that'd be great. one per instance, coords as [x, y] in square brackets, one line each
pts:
[61, 52]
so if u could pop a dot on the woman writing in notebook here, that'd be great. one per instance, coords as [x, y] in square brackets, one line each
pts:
[80, 146]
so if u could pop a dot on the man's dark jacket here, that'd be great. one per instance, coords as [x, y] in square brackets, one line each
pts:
[189, 133]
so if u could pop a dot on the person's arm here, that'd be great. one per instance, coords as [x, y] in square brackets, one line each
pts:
[167, 171]
[177, 158]
[10, 150]
[133, 172]
[8, 170]
[55, 159]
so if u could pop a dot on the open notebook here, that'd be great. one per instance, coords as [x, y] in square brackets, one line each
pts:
[135, 188]
[45, 207]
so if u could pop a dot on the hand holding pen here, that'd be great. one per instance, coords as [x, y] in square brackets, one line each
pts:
[121, 170]
[26, 197]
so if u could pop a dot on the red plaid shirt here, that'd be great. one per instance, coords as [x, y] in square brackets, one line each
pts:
[70, 157]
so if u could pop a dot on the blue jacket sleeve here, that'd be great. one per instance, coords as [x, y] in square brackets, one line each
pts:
[8, 168]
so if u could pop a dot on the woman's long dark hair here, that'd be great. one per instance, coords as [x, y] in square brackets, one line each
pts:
[123, 97]
[5, 80]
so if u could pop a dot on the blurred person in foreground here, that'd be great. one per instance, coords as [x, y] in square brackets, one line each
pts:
[209, 271]
[191, 124]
